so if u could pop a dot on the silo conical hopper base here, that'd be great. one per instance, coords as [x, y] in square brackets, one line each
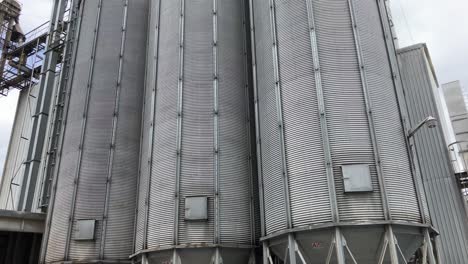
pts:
[377, 243]
[208, 255]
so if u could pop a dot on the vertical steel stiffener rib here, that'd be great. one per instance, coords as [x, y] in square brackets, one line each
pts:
[151, 131]
[321, 106]
[279, 111]
[115, 123]
[397, 81]
[180, 89]
[83, 130]
[248, 123]
[257, 118]
[45, 239]
[216, 122]
[369, 110]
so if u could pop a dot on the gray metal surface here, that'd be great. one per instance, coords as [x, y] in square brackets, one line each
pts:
[338, 103]
[13, 170]
[457, 109]
[99, 159]
[196, 130]
[445, 201]
[349, 132]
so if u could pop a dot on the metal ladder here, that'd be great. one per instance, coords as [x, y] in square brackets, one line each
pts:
[58, 116]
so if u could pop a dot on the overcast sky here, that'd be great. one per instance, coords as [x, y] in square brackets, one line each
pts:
[443, 25]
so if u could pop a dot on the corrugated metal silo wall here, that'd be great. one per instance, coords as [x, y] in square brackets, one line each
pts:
[445, 201]
[197, 98]
[102, 134]
[13, 170]
[296, 101]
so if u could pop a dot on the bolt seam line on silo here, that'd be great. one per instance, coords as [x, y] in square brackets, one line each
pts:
[398, 87]
[248, 123]
[115, 120]
[257, 119]
[279, 112]
[322, 112]
[179, 120]
[369, 110]
[83, 129]
[151, 133]
[61, 139]
[216, 122]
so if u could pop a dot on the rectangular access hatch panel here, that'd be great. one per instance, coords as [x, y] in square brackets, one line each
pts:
[357, 178]
[85, 229]
[196, 208]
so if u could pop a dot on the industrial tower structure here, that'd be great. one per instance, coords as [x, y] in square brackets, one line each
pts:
[220, 131]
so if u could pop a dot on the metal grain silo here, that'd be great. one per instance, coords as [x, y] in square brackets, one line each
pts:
[92, 217]
[196, 199]
[337, 184]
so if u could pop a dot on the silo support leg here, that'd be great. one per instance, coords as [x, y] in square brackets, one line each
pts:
[392, 245]
[217, 259]
[330, 251]
[252, 258]
[266, 254]
[144, 259]
[292, 249]
[383, 250]
[340, 244]
[429, 250]
[175, 257]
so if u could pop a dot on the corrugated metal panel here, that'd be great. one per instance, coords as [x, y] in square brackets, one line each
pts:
[203, 74]
[197, 163]
[346, 34]
[388, 127]
[70, 152]
[147, 124]
[92, 177]
[101, 160]
[122, 196]
[444, 199]
[13, 170]
[163, 176]
[275, 213]
[347, 120]
[234, 170]
[301, 115]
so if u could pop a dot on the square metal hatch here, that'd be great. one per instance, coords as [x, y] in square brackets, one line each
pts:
[85, 229]
[196, 208]
[357, 178]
